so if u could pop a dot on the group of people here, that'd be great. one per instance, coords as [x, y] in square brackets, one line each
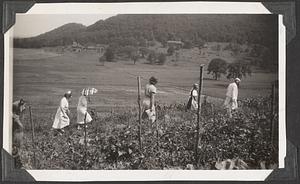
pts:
[62, 115]
[62, 118]
[230, 102]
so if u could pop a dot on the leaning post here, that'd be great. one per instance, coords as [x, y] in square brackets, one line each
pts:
[140, 113]
[85, 141]
[198, 114]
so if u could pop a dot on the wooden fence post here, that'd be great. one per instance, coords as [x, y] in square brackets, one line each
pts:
[198, 114]
[140, 111]
[32, 136]
[85, 140]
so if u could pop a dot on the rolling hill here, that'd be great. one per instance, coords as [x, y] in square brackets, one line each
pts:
[133, 29]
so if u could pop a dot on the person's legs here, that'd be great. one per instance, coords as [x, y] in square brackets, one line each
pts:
[229, 112]
[228, 105]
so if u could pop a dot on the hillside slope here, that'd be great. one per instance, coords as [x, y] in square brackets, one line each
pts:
[135, 29]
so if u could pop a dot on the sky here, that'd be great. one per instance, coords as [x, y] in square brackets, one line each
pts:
[28, 25]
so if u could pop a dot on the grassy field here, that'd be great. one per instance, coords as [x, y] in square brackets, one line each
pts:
[42, 78]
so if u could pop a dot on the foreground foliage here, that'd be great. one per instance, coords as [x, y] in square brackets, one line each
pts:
[113, 140]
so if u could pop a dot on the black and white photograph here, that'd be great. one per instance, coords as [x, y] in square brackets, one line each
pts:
[145, 91]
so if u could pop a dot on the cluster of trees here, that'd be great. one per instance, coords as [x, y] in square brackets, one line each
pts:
[134, 54]
[157, 58]
[254, 54]
[129, 52]
[239, 68]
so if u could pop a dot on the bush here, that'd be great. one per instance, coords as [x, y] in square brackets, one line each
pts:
[157, 58]
[134, 57]
[170, 51]
[144, 51]
[162, 58]
[187, 44]
[128, 50]
[239, 69]
[217, 67]
[152, 57]
[109, 54]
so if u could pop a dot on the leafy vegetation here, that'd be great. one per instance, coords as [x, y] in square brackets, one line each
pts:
[217, 67]
[170, 51]
[113, 140]
[109, 54]
[238, 69]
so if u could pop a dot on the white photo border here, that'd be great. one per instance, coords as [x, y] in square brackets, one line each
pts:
[148, 8]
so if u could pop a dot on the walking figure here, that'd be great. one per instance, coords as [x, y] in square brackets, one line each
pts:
[230, 102]
[149, 100]
[62, 119]
[192, 103]
[82, 109]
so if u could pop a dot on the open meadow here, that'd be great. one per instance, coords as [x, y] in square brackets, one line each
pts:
[43, 80]
[42, 77]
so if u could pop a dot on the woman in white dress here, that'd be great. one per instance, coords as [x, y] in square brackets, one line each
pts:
[149, 100]
[82, 114]
[192, 103]
[62, 119]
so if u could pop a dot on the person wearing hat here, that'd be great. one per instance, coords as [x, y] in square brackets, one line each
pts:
[62, 119]
[149, 100]
[82, 115]
[18, 131]
[230, 102]
[192, 103]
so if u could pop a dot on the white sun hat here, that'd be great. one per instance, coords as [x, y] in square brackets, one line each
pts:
[237, 79]
[89, 91]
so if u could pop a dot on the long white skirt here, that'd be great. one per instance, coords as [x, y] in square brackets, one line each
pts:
[81, 114]
[194, 105]
[61, 119]
[150, 112]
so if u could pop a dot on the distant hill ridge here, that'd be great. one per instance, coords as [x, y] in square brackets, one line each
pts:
[133, 29]
[64, 30]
